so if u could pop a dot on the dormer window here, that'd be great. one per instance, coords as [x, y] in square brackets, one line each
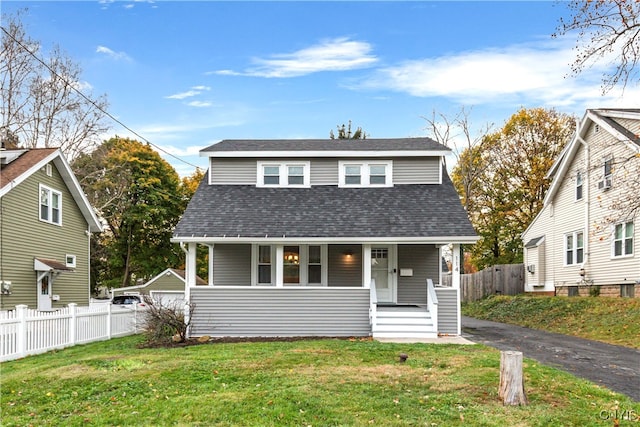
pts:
[283, 174]
[365, 174]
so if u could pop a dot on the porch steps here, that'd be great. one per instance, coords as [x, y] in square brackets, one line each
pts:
[400, 322]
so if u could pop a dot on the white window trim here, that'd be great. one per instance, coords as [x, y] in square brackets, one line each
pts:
[364, 169]
[613, 240]
[71, 264]
[277, 263]
[574, 250]
[284, 169]
[50, 211]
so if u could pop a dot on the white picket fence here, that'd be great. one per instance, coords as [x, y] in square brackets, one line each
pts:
[24, 331]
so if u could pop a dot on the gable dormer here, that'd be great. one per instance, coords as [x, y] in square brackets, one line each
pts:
[310, 163]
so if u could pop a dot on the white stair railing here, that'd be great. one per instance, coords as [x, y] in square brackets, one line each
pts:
[373, 304]
[432, 303]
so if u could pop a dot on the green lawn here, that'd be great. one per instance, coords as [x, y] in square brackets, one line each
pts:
[302, 383]
[610, 320]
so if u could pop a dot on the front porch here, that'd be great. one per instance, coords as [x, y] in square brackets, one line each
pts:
[380, 290]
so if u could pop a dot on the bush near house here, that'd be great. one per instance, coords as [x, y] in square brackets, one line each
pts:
[611, 320]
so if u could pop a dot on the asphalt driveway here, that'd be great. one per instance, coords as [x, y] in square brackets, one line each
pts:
[614, 367]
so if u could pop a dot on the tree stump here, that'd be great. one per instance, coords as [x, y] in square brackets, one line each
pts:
[511, 389]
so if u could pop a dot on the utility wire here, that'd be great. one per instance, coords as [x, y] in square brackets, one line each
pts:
[93, 103]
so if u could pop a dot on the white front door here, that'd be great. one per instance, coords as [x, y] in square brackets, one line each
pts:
[382, 271]
[44, 293]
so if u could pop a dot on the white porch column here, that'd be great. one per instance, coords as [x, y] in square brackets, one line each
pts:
[210, 266]
[190, 266]
[455, 266]
[366, 266]
[279, 264]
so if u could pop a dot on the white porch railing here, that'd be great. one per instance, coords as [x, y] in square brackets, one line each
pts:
[432, 303]
[373, 303]
[25, 331]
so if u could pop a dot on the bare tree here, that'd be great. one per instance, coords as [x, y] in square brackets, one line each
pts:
[456, 133]
[605, 29]
[43, 104]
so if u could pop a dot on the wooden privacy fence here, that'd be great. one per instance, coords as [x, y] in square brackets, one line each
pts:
[24, 331]
[504, 279]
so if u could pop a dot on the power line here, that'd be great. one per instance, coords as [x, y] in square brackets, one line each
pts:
[99, 108]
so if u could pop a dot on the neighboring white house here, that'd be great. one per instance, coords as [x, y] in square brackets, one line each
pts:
[167, 286]
[325, 238]
[586, 237]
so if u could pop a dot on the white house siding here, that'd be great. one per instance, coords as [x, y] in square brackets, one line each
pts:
[288, 311]
[232, 265]
[542, 279]
[602, 268]
[424, 260]
[568, 217]
[243, 171]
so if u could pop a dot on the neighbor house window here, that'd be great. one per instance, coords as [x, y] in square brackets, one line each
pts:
[70, 261]
[579, 185]
[623, 239]
[283, 174]
[365, 174]
[50, 205]
[574, 248]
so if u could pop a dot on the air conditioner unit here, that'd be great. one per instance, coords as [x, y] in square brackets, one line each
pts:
[605, 184]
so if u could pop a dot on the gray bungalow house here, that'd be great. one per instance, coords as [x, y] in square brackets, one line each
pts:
[324, 238]
[45, 225]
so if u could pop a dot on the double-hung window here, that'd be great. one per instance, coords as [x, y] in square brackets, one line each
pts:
[283, 174]
[579, 185]
[50, 205]
[623, 240]
[574, 248]
[299, 265]
[365, 173]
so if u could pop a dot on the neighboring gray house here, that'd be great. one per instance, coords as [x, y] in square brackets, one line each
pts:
[45, 226]
[325, 238]
[584, 238]
[167, 286]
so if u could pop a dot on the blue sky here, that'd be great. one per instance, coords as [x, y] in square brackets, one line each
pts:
[185, 75]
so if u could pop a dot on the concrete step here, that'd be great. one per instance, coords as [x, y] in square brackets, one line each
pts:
[405, 335]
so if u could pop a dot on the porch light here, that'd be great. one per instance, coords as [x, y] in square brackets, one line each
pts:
[348, 253]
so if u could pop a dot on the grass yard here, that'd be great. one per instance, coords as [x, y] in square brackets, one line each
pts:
[610, 320]
[302, 383]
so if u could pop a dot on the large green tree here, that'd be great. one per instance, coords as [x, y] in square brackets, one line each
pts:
[510, 188]
[140, 198]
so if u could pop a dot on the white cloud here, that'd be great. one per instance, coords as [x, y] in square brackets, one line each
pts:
[534, 72]
[195, 90]
[118, 56]
[200, 104]
[338, 54]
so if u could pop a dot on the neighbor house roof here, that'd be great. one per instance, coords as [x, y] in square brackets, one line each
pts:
[180, 274]
[18, 165]
[228, 212]
[324, 147]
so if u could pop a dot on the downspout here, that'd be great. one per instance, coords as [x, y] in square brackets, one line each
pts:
[587, 203]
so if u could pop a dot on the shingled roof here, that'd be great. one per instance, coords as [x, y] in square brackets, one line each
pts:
[403, 211]
[318, 145]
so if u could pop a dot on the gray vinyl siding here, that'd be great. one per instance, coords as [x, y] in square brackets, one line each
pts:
[447, 310]
[233, 171]
[232, 265]
[270, 311]
[420, 170]
[424, 260]
[344, 272]
[25, 237]
[324, 171]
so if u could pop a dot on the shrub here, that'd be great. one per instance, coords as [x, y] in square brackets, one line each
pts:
[165, 323]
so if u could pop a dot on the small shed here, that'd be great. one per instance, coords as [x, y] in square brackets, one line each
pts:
[167, 286]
